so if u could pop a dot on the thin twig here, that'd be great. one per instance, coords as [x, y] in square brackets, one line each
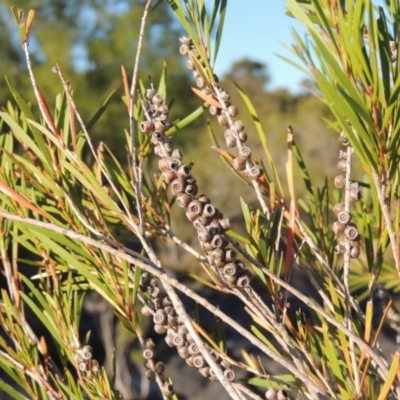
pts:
[137, 172]
[346, 268]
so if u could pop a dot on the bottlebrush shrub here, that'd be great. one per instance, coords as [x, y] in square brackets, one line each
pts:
[73, 216]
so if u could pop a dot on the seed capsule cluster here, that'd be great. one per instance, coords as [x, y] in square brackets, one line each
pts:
[235, 134]
[206, 218]
[154, 368]
[84, 360]
[272, 394]
[167, 322]
[344, 226]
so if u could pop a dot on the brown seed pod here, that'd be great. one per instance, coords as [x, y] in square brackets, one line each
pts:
[351, 232]
[195, 52]
[168, 389]
[209, 210]
[184, 50]
[219, 241]
[177, 154]
[174, 164]
[169, 309]
[169, 339]
[230, 280]
[200, 82]
[346, 142]
[163, 109]
[159, 317]
[204, 236]
[148, 354]
[270, 394]
[150, 375]
[155, 292]
[195, 207]
[224, 224]
[160, 329]
[215, 356]
[191, 189]
[183, 200]
[186, 40]
[227, 133]
[198, 224]
[159, 151]
[340, 249]
[205, 371]
[153, 282]
[233, 111]
[244, 152]
[157, 137]
[230, 269]
[342, 165]
[213, 110]
[243, 280]
[178, 187]
[199, 361]
[281, 395]
[207, 246]
[183, 351]
[168, 176]
[339, 181]
[229, 374]
[179, 340]
[242, 136]
[230, 255]
[163, 164]
[149, 94]
[355, 252]
[238, 126]
[222, 120]
[146, 126]
[225, 364]
[255, 172]
[149, 344]
[87, 352]
[189, 338]
[146, 311]
[193, 349]
[338, 227]
[218, 254]
[172, 321]
[240, 265]
[357, 242]
[355, 195]
[342, 154]
[337, 208]
[159, 367]
[189, 361]
[157, 99]
[344, 217]
[182, 330]
[156, 301]
[94, 367]
[230, 141]
[225, 96]
[189, 64]
[239, 164]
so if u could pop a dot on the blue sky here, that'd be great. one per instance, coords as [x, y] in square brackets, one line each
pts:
[254, 29]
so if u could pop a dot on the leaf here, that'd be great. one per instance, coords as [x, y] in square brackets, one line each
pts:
[221, 24]
[4, 188]
[208, 99]
[394, 368]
